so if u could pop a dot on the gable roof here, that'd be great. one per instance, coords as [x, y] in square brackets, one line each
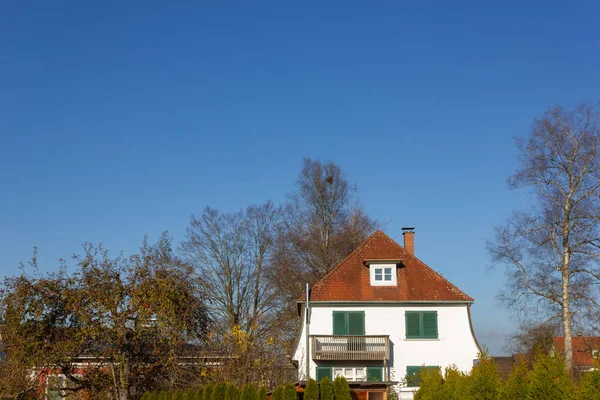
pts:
[582, 349]
[350, 279]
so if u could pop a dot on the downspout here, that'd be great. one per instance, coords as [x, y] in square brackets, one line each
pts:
[307, 316]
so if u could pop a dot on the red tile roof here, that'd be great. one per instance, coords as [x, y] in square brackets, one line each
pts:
[582, 349]
[350, 279]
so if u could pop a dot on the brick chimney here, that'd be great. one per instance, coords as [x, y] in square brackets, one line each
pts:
[409, 239]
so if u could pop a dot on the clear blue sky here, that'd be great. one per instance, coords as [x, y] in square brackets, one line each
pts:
[121, 119]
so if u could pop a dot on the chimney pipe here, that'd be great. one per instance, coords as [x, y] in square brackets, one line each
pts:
[409, 239]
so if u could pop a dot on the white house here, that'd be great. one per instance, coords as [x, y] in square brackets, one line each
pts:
[381, 315]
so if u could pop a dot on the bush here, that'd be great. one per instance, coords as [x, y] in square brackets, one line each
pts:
[485, 381]
[548, 379]
[289, 392]
[515, 387]
[249, 393]
[207, 392]
[277, 393]
[341, 389]
[261, 394]
[218, 392]
[312, 390]
[454, 385]
[198, 395]
[326, 389]
[232, 393]
[178, 395]
[431, 385]
[590, 386]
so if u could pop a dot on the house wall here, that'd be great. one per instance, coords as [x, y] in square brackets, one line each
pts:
[455, 344]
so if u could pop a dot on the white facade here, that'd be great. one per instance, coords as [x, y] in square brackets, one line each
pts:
[455, 343]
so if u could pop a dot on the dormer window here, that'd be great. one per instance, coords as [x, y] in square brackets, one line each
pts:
[383, 272]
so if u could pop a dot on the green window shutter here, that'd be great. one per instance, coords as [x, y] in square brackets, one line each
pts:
[430, 324]
[356, 323]
[413, 377]
[323, 372]
[339, 323]
[374, 374]
[413, 324]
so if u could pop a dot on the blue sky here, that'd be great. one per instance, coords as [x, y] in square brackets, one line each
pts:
[119, 119]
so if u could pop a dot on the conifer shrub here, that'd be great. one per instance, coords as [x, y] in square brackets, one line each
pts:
[261, 394]
[326, 389]
[548, 379]
[231, 392]
[590, 386]
[198, 394]
[248, 393]
[453, 387]
[207, 392]
[289, 392]
[189, 394]
[484, 382]
[277, 393]
[218, 392]
[178, 395]
[516, 385]
[431, 385]
[311, 392]
[341, 389]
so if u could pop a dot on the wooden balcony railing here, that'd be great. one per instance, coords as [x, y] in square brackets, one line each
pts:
[350, 347]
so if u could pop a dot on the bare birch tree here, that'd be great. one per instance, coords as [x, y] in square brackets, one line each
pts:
[551, 251]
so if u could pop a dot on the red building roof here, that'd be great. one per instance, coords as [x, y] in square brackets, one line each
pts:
[583, 346]
[350, 279]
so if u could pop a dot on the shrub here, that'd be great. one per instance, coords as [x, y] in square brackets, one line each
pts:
[326, 389]
[207, 392]
[218, 392]
[515, 387]
[341, 389]
[178, 395]
[289, 392]
[277, 393]
[590, 386]
[231, 393]
[249, 393]
[454, 385]
[261, 394]
[485, 383]
[548, 379]
[431, 385]
[312, 390]
[199, 394]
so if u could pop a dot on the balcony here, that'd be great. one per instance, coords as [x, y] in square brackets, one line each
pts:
[350, 347]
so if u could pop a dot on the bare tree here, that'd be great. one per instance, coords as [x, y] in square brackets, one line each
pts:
[232, 253]
[551, 251]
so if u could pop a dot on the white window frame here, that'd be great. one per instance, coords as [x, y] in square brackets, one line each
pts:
[379, 271]
[350, 373]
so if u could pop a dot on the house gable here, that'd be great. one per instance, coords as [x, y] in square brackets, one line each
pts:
[350, 280]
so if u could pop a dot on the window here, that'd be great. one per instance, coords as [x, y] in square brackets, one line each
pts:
[348, 322]
[352, 374]
[421, 324]
[383, 274]
[595, 353]
[413, 374]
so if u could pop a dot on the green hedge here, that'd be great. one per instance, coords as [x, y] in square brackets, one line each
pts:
[546, 378]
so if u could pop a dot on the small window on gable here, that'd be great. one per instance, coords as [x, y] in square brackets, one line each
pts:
[383, 274]
[595, 353]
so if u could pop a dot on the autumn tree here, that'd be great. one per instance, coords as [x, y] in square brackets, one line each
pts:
[551, 250]
[131, 316]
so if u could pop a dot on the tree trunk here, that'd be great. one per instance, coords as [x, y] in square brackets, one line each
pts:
[566, 314]
[124, 390]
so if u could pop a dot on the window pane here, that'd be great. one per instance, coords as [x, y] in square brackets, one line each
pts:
[377, 277]
[388, 271]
